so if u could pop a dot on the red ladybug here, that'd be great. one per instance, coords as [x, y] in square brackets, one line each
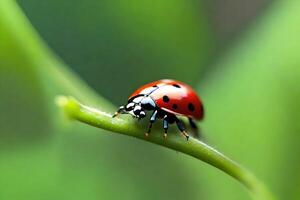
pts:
[167, 98]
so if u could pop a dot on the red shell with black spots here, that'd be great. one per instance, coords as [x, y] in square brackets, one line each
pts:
[174, 97]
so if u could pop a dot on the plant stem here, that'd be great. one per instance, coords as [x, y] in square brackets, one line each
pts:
[192, 147]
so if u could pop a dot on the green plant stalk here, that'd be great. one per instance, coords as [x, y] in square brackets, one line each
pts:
[192, 147]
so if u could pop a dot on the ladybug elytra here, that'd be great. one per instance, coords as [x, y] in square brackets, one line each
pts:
[167, 99]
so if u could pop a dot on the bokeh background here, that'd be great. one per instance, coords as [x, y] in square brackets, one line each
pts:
[242, 57]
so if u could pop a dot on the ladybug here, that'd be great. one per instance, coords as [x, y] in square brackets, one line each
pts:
[167, 99]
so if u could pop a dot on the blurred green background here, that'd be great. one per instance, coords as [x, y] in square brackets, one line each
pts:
[242, 57]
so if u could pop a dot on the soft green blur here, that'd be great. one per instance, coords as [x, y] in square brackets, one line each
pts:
[250, 87]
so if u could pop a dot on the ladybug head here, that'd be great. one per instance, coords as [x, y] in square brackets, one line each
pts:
[137, 106]
[135, 110]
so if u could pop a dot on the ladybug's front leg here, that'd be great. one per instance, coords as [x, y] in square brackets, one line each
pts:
[181, 128]
[152, 120]
[120, 110]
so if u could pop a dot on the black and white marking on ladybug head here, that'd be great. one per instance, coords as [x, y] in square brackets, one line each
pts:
[135, 110]
[137, 106]
[130, 106]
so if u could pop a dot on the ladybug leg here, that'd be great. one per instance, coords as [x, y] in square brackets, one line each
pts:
[181, 128]
[152, 120]
[194, 126]
[165, 125]
[120, 110]
[192, 123]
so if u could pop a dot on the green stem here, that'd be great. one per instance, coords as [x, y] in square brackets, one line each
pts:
[192, 147]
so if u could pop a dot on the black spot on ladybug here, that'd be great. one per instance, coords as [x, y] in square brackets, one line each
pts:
[191, 107]
[154, 86]
[176, 85]
[166, 99]
[174, 106]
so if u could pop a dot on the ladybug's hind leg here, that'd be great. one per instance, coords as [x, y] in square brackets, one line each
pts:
[152, 120]
[181, 128]
[195, 128]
